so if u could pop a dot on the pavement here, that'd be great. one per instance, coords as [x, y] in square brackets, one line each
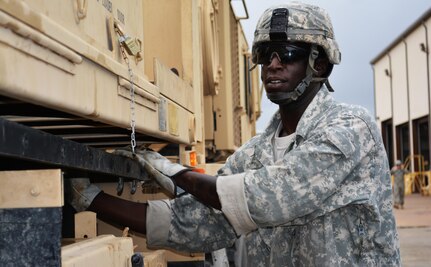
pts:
[414, 229]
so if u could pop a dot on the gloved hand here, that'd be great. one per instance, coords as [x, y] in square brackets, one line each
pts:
[158, 167]
[161, 163]
[79, 192]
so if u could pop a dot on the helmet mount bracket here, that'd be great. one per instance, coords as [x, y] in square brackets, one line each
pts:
[278, 26]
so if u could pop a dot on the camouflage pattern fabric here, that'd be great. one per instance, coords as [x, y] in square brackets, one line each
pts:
[327, 202]
[306, 23]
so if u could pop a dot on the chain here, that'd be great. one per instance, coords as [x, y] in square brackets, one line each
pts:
[132, 90]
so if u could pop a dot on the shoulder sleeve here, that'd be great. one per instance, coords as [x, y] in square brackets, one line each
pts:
[185, 224]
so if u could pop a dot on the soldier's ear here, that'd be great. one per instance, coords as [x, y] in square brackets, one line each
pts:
[321, 65]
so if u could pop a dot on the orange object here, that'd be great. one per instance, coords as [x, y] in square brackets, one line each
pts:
[193, 158]
[199, 170]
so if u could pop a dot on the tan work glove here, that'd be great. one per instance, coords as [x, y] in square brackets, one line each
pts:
[79, 193]
[157, 167]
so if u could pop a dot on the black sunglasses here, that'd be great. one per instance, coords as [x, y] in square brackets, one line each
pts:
[287, 53]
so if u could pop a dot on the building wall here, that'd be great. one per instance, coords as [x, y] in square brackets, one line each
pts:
[427, 26]
[383, 96]
[399, 84]
[417, 74]
[402, 91]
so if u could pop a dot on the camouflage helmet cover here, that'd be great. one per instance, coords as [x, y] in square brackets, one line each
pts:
[306, 23]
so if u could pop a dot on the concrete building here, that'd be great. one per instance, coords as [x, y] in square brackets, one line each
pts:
[402, 95]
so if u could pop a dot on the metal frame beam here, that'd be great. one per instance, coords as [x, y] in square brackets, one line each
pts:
[19, 142]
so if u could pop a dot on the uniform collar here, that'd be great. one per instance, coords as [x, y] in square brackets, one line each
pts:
[319, 105]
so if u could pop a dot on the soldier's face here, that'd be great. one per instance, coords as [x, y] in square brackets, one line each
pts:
[281, 75]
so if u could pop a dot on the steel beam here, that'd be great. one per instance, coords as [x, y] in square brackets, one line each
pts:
[19, 142]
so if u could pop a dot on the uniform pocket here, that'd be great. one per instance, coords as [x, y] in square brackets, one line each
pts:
[358, 228]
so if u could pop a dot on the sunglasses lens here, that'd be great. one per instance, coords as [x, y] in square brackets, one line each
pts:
[286, 53]
[292, 55]
[263, 55]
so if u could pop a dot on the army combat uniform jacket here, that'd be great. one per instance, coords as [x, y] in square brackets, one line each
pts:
[327, 202]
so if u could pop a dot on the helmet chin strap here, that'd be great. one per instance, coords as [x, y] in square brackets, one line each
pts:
[283, 98]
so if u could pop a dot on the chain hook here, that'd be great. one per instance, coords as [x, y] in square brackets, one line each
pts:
[122, 38]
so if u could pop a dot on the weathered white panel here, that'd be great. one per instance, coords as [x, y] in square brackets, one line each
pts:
[417, 74]
[428, 25]
[399, 84]
[382, 92]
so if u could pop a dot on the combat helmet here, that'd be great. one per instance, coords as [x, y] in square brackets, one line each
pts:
[298, 22]
[303, 23]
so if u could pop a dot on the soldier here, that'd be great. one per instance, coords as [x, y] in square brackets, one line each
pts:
[398, 172]
[312, 190]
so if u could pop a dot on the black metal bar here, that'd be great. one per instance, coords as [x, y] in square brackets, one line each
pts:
[88, 130]
[110, 141]
[60, 122]
[21, 142]
[25, 109]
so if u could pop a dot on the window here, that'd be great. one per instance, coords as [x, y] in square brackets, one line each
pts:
[403, 142]
[421, 140]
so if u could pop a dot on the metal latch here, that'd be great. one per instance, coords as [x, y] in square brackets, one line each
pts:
[133, 46]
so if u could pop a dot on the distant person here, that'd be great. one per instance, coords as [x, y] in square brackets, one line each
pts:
[313, 189]
[398, 172]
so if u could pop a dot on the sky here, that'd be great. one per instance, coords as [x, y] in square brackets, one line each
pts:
[363, 29]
